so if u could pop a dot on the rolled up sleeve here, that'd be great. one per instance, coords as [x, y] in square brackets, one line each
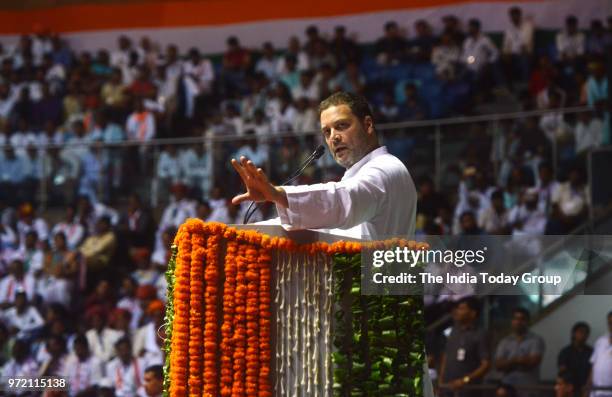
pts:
[332, 205]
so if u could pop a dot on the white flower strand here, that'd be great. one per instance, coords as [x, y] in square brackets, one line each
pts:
[329, 292]
[289, 334]
[296, 330]
[314, 364]
[306, 360]
[279, 301]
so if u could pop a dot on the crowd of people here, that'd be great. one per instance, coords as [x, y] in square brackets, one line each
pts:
[51, 95]
[464, 359]
[83, 297]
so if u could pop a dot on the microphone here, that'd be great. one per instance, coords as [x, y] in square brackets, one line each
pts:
[319, 151]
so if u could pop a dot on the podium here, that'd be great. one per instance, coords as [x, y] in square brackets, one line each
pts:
[254, 310]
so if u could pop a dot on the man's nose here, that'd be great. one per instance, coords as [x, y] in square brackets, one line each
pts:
[336, 136]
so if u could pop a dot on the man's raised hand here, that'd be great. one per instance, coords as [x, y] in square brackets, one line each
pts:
[258, 187]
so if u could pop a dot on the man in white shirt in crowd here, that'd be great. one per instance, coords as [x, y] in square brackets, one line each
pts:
[125, 370]
[33, 257]
[21, 363]
[196, 169]
[251, 149]
[82, 369]
[267, 64]
[478, 49]
[181, 208]
[527, 218]
[100, 337]
[16, 280]
[518, 45]
[570, 41]
[570, 203]
[71, 228]
[22, 320]
[479, 53]
[601, 361]
[546, 186]
[307, 87]
[588, 133]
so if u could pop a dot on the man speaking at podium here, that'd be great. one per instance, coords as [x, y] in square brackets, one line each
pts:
[376, 198]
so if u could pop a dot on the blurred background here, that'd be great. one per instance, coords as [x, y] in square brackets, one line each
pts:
[118, 120]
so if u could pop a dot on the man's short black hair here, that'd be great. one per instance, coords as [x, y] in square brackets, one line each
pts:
[390, 25]
[358, 104]
[156, 370]
[571, 20]
[312, 29]
[474, 23]
[467, 213]
[122, 341]
[81, 339]
[471, 302]
[497, 195]
[523, 311]
[580, 324]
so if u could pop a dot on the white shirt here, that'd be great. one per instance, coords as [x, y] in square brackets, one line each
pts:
[570, 46]
[27, 321]
[74, 233]
[28, 368]
[177, 212]
[571, 202]
[601, 359]
[145, 340]
[203, 72]
[534, 222]
[479, 51]
[588, 136]
[258, 156]
[9, 286]
[168, 166]
[126, 378]
[138, 130]
[305, 121]
[81, 374]
[375, 199]
[132, 305]
[103, 345]
[444, 59]
[311, 92]
[518, 37]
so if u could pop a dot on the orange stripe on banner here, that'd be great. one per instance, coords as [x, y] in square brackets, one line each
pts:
[157, 14]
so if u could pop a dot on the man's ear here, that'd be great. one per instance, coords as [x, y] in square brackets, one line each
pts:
[368, 125]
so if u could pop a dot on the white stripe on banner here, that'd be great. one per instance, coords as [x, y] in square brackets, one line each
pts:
[365, 28]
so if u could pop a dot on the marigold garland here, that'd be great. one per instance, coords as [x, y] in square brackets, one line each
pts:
[239, 338]
[229, 290]
[198, 252]
[180, 327]
[211, 275]
[231, 360]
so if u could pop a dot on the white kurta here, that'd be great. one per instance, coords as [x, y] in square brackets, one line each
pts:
[375, 199]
